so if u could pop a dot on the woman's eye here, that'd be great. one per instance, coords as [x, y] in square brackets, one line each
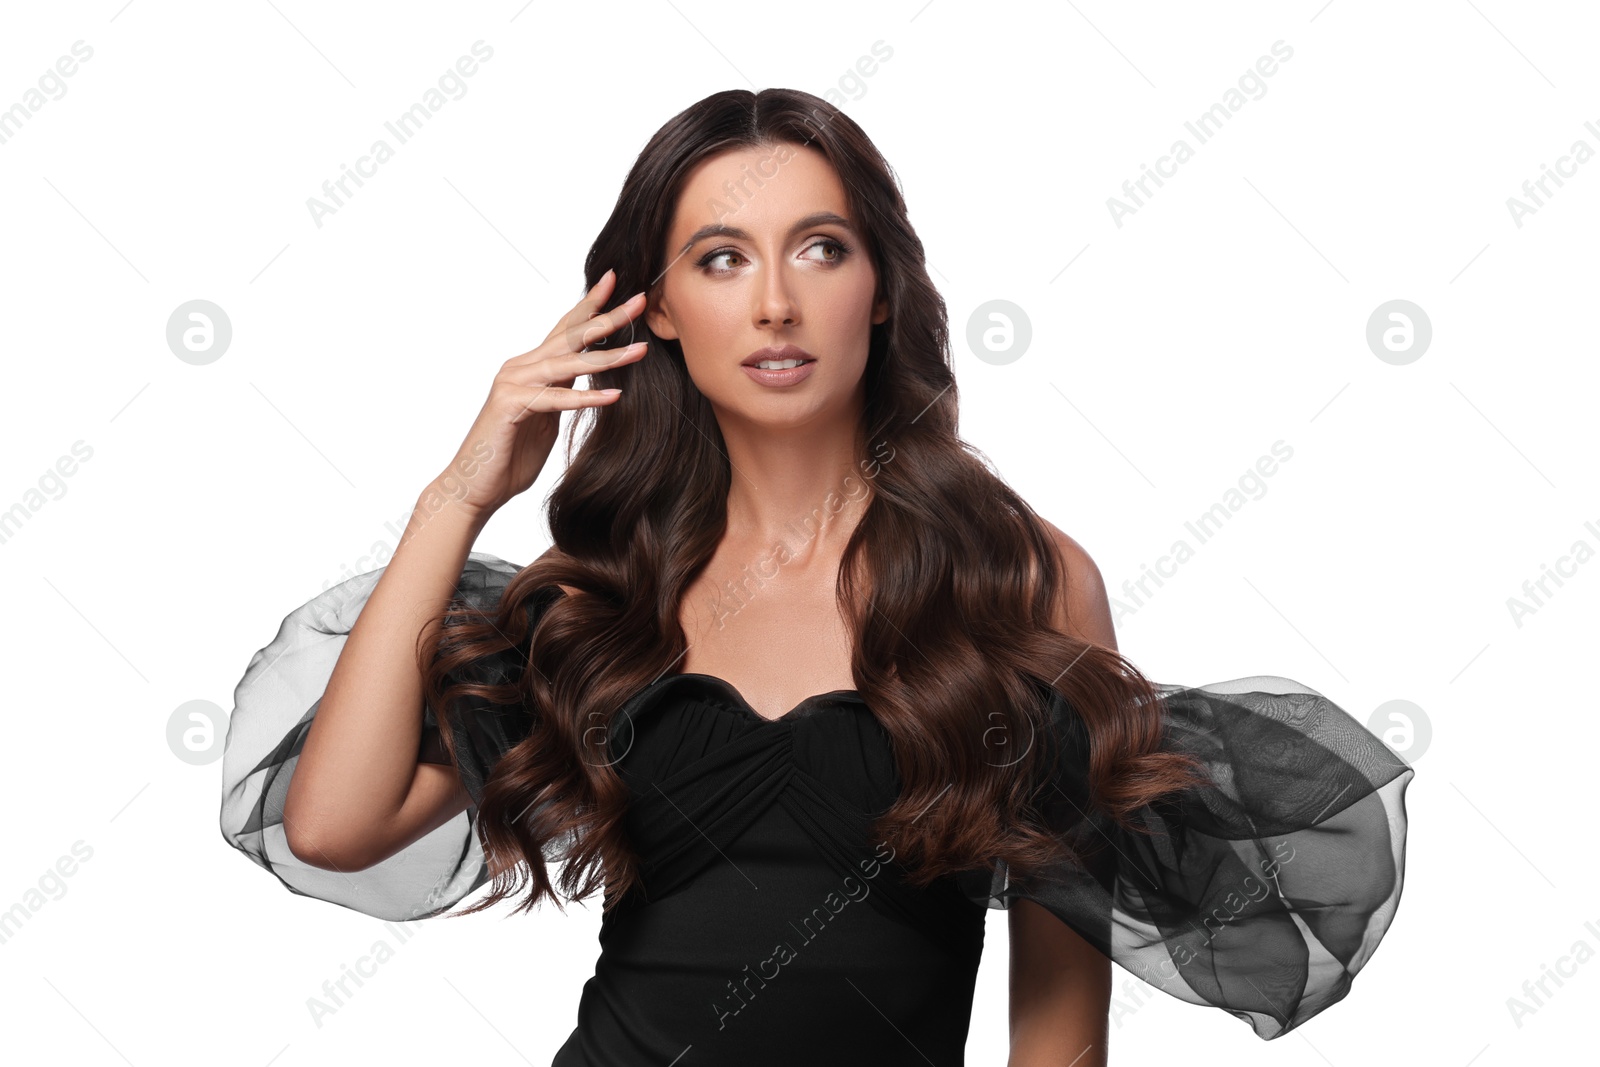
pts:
[711, 257]
[839, 249]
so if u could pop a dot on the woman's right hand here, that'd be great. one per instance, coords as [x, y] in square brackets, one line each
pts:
[508, 444]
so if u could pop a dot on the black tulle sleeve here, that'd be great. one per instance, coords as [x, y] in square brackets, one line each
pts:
[1262, 892]
[274, 704]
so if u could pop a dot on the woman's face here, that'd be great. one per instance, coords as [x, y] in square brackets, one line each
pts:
[763, 251]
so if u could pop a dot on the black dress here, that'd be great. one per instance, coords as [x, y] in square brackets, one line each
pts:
[771, 928]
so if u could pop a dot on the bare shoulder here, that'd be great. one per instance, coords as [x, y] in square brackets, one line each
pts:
[1081, 566]
[1087, 609]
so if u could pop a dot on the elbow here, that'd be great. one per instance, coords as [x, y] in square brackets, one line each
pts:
[314, 846]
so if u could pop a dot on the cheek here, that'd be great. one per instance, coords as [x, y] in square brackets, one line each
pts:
[844, 312]
[710, 315]
[859, 295]
[710, 326]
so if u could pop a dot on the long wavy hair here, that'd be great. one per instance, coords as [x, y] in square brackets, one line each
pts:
[949, 582]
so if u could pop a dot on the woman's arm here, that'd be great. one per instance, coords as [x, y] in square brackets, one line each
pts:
[358, 794]
[1060, 993]
[1060, 984]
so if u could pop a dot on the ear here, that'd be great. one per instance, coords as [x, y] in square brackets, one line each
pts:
[658, 318]
[880, 310]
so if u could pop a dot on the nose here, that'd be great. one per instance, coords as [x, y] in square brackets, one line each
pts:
[774, 300]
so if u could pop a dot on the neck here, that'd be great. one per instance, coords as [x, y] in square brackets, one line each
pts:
[800, 484]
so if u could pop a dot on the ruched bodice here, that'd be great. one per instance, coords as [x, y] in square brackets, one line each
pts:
[763, 901]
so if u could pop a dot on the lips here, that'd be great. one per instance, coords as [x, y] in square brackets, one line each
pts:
[777, 352]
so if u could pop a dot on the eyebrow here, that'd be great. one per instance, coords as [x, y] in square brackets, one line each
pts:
[717, 229]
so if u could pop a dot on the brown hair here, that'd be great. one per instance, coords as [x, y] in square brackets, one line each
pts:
[949, 581]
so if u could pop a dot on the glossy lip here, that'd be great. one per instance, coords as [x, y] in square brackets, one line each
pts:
[779, 378]
[776, 352]
[792, 376]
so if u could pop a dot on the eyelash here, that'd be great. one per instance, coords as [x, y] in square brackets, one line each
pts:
[844, 250]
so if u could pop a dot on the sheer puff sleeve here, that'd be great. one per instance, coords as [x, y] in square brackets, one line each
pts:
[1262, 892]
[274, 704]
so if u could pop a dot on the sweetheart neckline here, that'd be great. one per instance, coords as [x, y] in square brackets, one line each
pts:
[744, 705]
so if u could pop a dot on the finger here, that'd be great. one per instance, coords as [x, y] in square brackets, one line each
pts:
[532, 400]
[593, 331]
[535, 369]
[591, 304]
[578, 337]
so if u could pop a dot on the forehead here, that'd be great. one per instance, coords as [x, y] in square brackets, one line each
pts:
[755, 189]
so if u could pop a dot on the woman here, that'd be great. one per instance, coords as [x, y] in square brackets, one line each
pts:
[801, 684]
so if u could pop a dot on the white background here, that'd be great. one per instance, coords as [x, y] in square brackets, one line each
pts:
[1168, 354]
